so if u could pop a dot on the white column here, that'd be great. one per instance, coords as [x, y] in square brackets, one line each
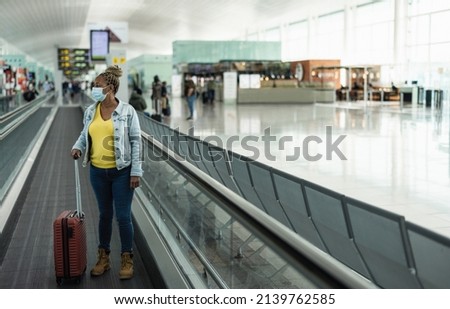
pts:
[400, 33]
[58, 77]
[348, 30]
[311, 34]
[119, 57]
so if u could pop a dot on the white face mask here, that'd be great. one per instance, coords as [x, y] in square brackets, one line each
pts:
[97, 94]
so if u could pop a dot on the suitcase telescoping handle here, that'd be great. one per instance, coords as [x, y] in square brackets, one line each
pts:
[78, 190]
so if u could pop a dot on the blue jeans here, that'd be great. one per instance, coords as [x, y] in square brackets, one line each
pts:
[191, 103]
[113, 192]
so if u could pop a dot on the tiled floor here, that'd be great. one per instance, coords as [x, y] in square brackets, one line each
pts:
[393, 158]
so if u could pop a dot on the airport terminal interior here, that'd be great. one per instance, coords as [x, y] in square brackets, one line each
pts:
[317, 156]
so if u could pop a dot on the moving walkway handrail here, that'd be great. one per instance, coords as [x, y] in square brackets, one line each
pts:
[16, 110]
[319, 267]
[25, 110]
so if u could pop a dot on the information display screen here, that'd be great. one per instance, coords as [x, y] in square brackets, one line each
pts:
[99, 45]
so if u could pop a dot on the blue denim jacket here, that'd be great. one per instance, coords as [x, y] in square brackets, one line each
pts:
[127, 137]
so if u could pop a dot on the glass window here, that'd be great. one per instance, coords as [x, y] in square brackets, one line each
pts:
[295, 50]
[439, 29]
[295, 45]
[331, 23]
[329, 40]
[375, 13]
[428, 38]
[417, 7]
[419, 53]
[440, 52]
[252, 37]
[272, 34]
[419, 30]
[373, 36]
[439, 5]
[297, 30]
[363, 39]
[329, 45]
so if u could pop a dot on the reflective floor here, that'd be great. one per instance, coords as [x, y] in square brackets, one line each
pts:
[391, 157]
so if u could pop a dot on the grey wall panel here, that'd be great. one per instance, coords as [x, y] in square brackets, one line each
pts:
[262, 181]
[221, 163]
[431, 253]
[328, 215]
[176, 142]
[155, 130]
[208, 161]
[194, 153]
[184, 148]
[165, 134]
[290, 195]
[242, 178]
[381, 238]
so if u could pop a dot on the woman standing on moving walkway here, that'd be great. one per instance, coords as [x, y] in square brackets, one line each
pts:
[111, 141]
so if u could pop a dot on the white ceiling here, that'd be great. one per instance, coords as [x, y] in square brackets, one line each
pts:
[37, 27]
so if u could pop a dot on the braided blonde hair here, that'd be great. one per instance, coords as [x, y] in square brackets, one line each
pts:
[112, 75]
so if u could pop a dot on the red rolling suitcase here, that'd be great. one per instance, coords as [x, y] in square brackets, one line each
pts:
[69, 240]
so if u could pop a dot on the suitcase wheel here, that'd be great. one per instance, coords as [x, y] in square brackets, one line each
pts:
[59, 281]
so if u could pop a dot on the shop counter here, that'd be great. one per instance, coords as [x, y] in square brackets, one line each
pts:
[285, 95]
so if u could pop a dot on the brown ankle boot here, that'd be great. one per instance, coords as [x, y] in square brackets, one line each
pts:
[126, 268]
[102, 263]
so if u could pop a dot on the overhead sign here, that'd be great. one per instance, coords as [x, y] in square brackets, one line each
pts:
[17, 61]
[119, 60]
[73, 62]
[118, 31]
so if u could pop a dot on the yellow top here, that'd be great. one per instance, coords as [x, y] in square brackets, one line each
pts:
[102, 136]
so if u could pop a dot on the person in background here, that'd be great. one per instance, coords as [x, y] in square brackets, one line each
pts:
[165, 106]
[65, 87]
[47, 85]
[156, 94]
[137, 100]
[211, 86]
[31, 93]
[190, 94]
[164, 89]
[111, 141]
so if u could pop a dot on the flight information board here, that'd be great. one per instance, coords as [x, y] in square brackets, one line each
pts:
[73, 62]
